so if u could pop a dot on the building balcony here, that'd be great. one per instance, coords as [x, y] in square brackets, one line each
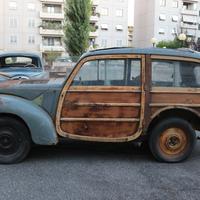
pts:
[50, 32]
[191, 32]
[45, 48]
[190, 12]
[94, 19]
[53, 1]
[189, 26]
[94, 34]
[58, 16]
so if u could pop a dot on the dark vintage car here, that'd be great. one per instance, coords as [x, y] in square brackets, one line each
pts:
[21, 65]
[112, 95]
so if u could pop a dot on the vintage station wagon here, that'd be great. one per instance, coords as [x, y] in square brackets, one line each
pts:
[112, 95]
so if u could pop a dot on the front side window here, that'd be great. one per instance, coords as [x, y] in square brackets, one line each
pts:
[175, 74]
[109, 72]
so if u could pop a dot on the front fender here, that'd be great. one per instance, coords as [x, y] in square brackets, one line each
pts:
[39, 122]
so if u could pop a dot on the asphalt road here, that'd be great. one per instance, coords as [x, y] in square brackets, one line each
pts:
[77, 171]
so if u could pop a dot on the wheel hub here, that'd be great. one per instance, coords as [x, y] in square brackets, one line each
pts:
[173, 141]
[8, 143]
[5, 141]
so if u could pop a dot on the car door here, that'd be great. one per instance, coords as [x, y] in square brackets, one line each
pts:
[101, 100]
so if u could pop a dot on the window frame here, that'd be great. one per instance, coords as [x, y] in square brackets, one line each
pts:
[126, 74]
[172, 59]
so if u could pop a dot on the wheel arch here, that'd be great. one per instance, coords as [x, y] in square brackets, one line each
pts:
[36, 119]
[188, 114]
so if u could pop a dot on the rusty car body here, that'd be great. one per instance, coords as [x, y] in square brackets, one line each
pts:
[112, 95]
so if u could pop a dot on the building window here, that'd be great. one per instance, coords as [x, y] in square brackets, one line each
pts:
[52, 41]
[189, 6]
[162, 17]
[31, 39]
[31, 6]
[104, 11]
[13, 39]
[163, 3]
[13, 5]
[119, 28]
[174, 18]
[104, 26]
[13, 22]
[199, 27]
[31, 23]
[119, 12]
[174, 31]
[175, 4]
[161, 31]
[104, 43]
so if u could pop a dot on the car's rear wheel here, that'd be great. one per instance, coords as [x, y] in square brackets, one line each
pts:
[172, 140]
[15, 141]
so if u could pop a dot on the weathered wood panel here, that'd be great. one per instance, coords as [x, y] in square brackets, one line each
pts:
[174, 98]
[115, 97]
[99, 129]
[98, 111]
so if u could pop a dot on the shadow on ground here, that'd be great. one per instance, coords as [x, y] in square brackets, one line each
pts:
[76, 149]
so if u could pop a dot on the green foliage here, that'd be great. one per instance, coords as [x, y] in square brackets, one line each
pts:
[77, 26]
[51, 25]
[171, 44]
[51, 56]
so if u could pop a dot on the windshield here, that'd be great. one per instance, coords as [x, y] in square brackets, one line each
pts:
[18, 61]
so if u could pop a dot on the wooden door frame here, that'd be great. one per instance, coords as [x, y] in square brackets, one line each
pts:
[67, 87]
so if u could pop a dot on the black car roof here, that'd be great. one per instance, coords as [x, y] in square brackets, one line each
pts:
[150, 51]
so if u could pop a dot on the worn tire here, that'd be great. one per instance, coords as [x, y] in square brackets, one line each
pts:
[172, 140]
[15, 141]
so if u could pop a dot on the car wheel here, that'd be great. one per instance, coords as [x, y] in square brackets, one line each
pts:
[15, 141]
[172, 140]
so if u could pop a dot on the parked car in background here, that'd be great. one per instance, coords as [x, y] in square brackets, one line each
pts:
[62, 66]
[112, 95]
[21, 65]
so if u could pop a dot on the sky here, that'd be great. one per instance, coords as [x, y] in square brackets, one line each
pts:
[130, 12]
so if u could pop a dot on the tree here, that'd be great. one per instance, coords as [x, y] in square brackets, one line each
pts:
[171, 44]
[77, 26]
[51, 56]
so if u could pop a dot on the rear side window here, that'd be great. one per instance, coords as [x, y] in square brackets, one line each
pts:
[175, 74]
[109, 72]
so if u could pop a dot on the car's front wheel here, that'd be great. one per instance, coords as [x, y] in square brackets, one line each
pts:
[15, 141]
[172, 140]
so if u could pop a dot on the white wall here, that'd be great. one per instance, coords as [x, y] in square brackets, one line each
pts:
[143, 23]
[111, 35]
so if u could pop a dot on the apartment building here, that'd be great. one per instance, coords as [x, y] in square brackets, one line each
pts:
[110, 23]
[37, 25]
[32, 25]
[163, 19]
[51, 27]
